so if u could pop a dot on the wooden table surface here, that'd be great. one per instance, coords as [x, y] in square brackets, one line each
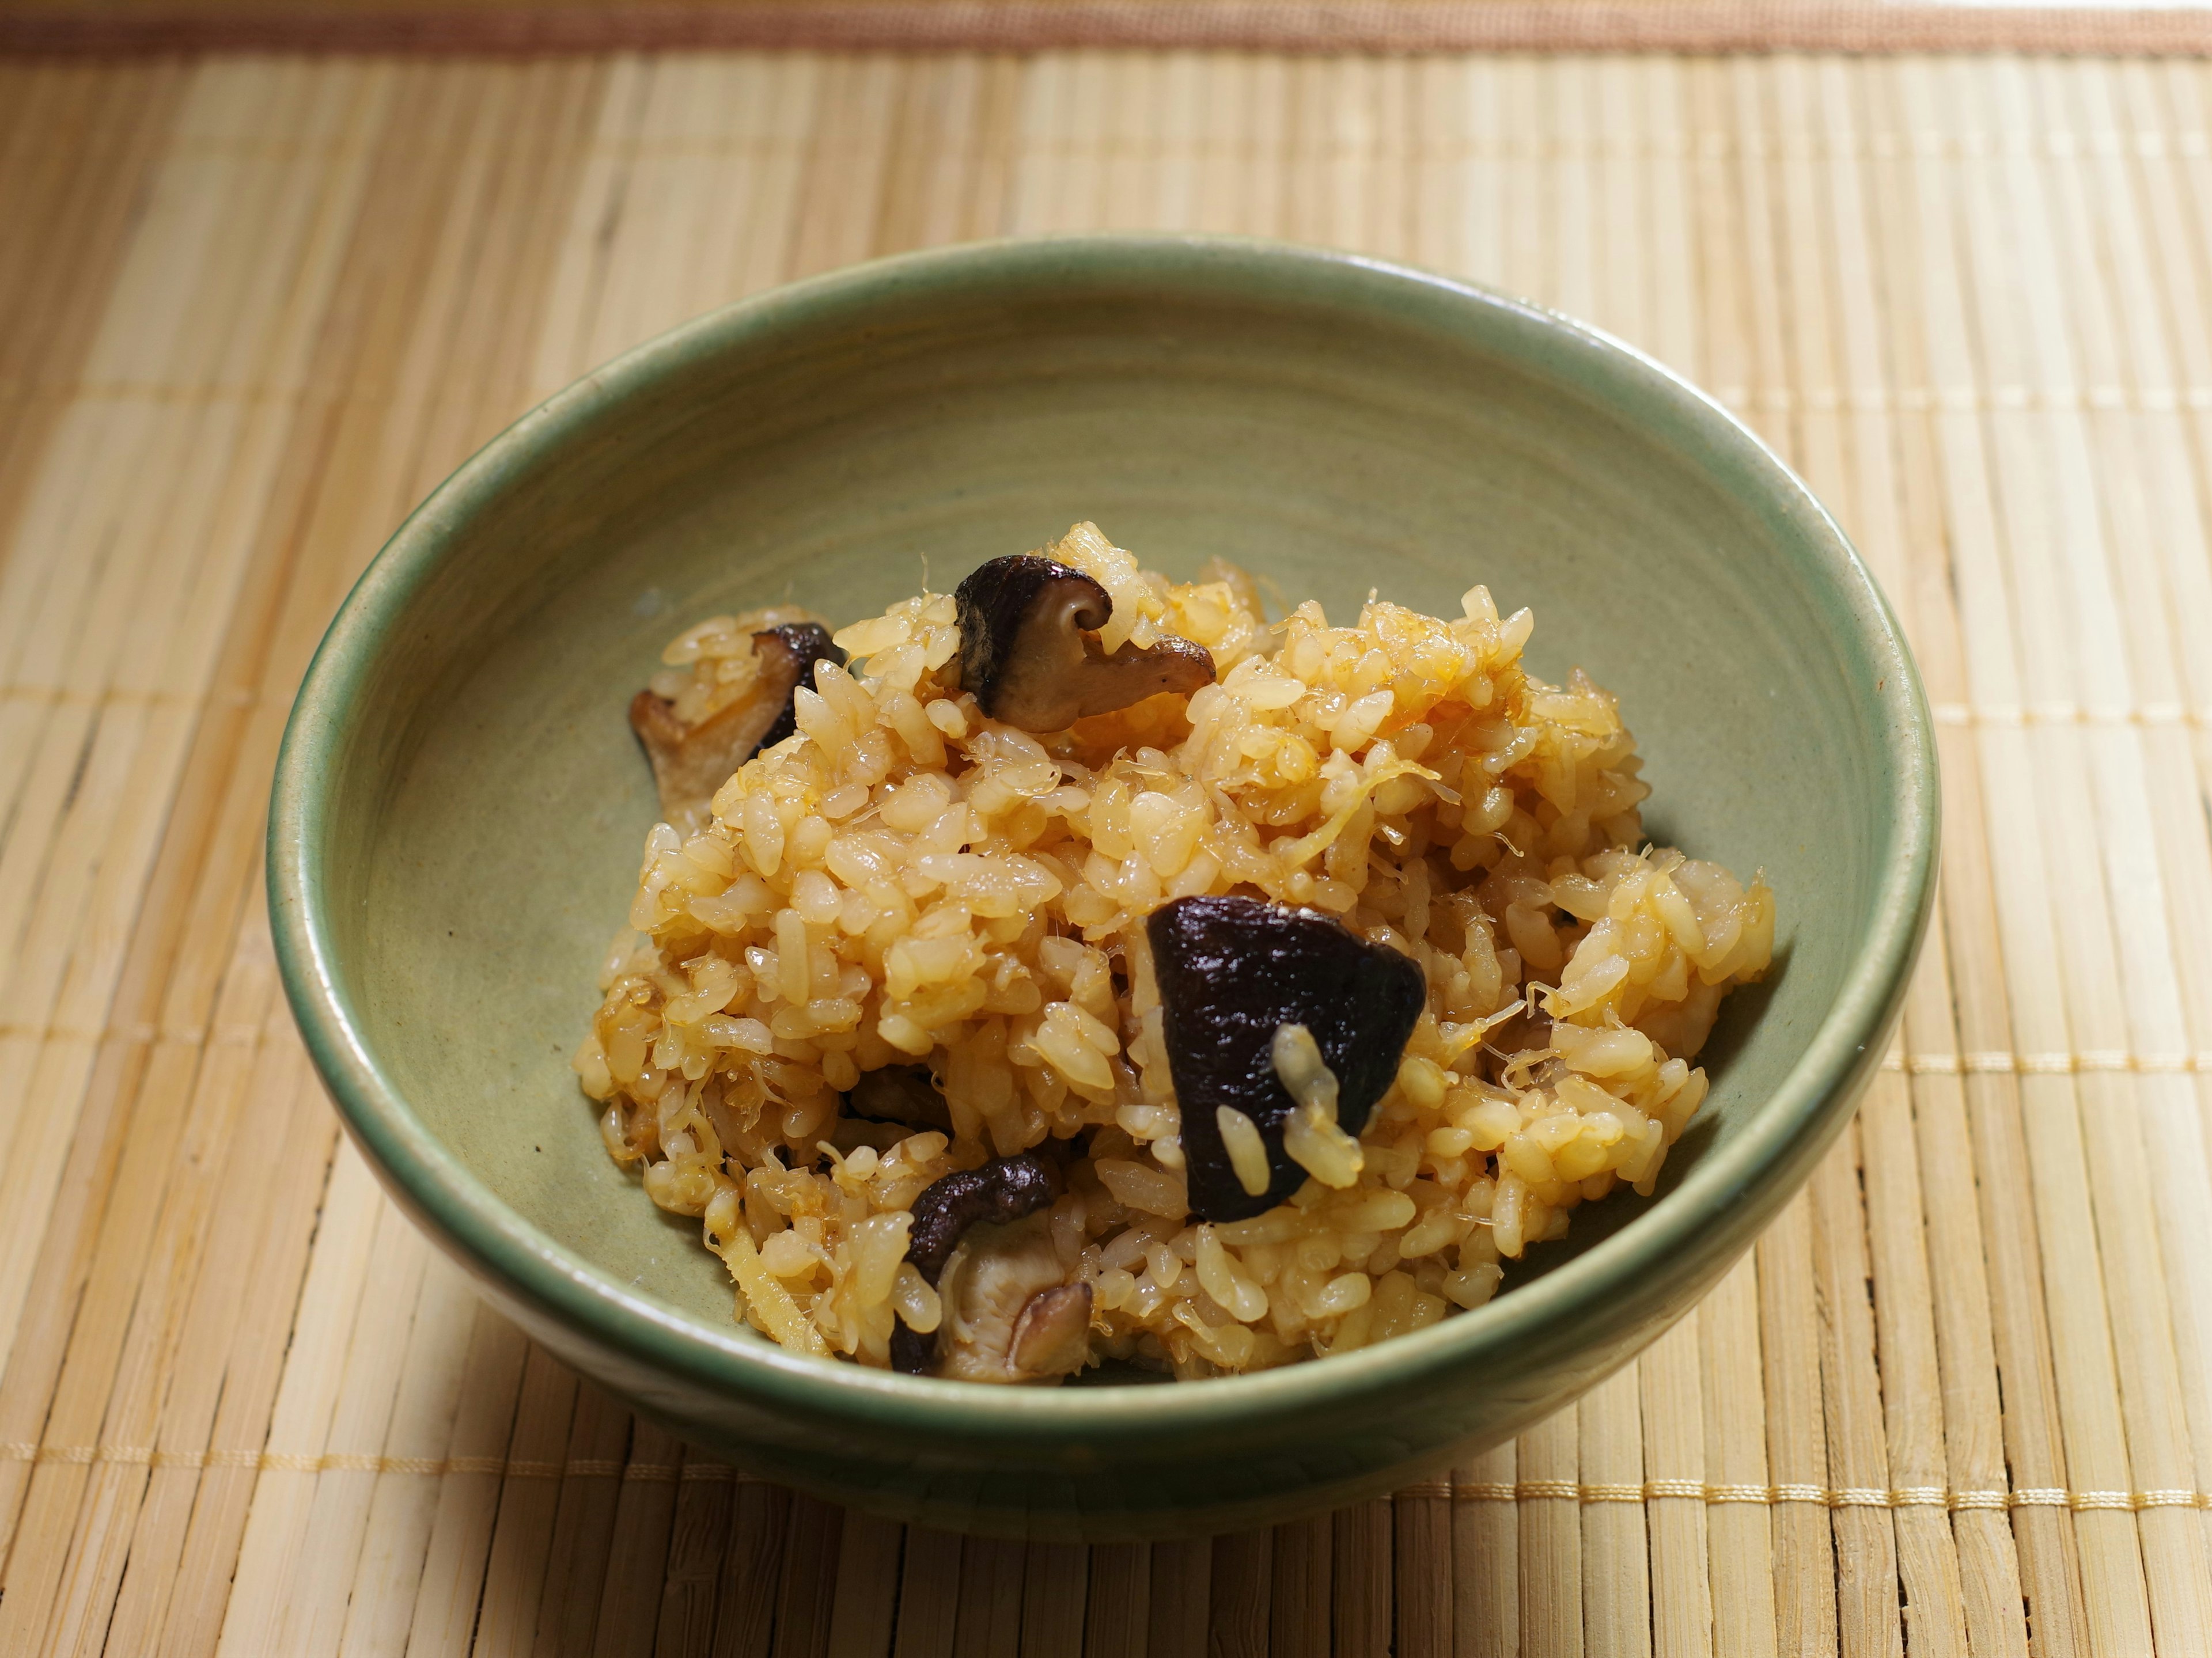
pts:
[253, 305]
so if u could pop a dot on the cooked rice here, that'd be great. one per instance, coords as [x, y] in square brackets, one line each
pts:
[905, 881]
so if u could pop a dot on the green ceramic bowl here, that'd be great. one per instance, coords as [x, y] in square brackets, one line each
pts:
[459, 806]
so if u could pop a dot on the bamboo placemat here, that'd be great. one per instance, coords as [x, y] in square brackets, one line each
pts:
[110, 28]
[253, 307]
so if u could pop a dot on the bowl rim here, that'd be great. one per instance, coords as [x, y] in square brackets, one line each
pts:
[1581, 1294]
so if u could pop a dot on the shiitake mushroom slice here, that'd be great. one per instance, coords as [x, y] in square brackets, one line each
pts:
[691, 761]
[1029, 653]
[981, 1236]
[1233, 971]
[1002, 1190]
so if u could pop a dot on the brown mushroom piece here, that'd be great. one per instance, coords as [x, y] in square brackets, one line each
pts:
[1232, 973]
[691, 761]
[982, 1239]
[1029, 653]
[900, 1094]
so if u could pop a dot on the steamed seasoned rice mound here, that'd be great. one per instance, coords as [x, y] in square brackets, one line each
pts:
[912, 941]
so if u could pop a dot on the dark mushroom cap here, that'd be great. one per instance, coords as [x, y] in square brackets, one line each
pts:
[1030, 654]
[1002, 1190]
[1231, 972]
[691, 763]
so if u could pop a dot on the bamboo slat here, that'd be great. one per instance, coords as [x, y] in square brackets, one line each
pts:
[1959, 1400]
[112, 28]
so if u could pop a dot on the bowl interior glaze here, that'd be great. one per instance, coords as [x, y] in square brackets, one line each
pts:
[461, 806]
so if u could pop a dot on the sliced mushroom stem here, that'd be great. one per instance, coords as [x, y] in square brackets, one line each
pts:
[1009, 1313]
[1029, 653]
[1052, 1337]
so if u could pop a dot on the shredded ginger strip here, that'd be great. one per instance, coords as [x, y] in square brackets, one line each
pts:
[772, 1306]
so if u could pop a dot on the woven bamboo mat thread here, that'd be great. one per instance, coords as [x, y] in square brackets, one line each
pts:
[252, 307]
